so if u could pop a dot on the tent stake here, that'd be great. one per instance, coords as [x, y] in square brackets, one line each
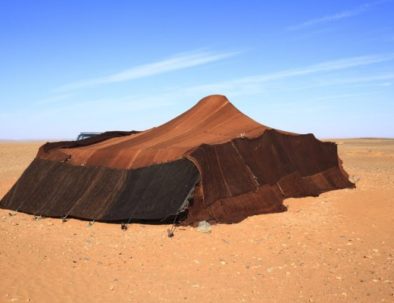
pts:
[170, 232]
[123, 226]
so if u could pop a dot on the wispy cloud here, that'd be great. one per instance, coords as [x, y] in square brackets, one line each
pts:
[379, 79]
[382, 80]
[54, 99]
[348, 96]
[338, 16]
[327, 66]
[255, 83]
[177, 62]
[248, 85]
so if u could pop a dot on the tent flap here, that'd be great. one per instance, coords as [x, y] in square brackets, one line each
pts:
[54, 189]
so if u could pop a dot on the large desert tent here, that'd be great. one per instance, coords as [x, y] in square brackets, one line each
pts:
[210, 163]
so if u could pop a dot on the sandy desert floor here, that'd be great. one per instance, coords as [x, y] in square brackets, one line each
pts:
[338, 247]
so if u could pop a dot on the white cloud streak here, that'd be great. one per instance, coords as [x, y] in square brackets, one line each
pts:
[337, 16]
[251, 85]
[379, 79]
[174, 63]
[254, 83]
[54, 98]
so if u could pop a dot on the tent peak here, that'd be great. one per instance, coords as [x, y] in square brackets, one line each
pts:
[217, 100]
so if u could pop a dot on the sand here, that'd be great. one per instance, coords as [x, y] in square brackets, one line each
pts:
[338, 247]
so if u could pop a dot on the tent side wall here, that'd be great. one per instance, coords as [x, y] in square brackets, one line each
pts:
[252, 176]
[55, 189]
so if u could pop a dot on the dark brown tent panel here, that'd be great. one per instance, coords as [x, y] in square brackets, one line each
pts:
[210, 163]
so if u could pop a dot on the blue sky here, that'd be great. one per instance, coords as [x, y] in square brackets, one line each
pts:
[325, 67]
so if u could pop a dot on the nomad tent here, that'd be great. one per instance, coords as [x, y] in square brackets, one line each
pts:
[210, 163]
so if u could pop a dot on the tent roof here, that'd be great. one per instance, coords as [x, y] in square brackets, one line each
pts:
[213, 120]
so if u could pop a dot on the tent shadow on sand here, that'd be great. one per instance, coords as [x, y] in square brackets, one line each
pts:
[210, 163]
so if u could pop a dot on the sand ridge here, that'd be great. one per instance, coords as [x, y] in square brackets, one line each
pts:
[338, 247]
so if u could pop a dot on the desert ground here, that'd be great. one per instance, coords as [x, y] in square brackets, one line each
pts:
[338, 247]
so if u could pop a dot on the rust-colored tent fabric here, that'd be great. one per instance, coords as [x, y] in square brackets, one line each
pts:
[212, 160]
